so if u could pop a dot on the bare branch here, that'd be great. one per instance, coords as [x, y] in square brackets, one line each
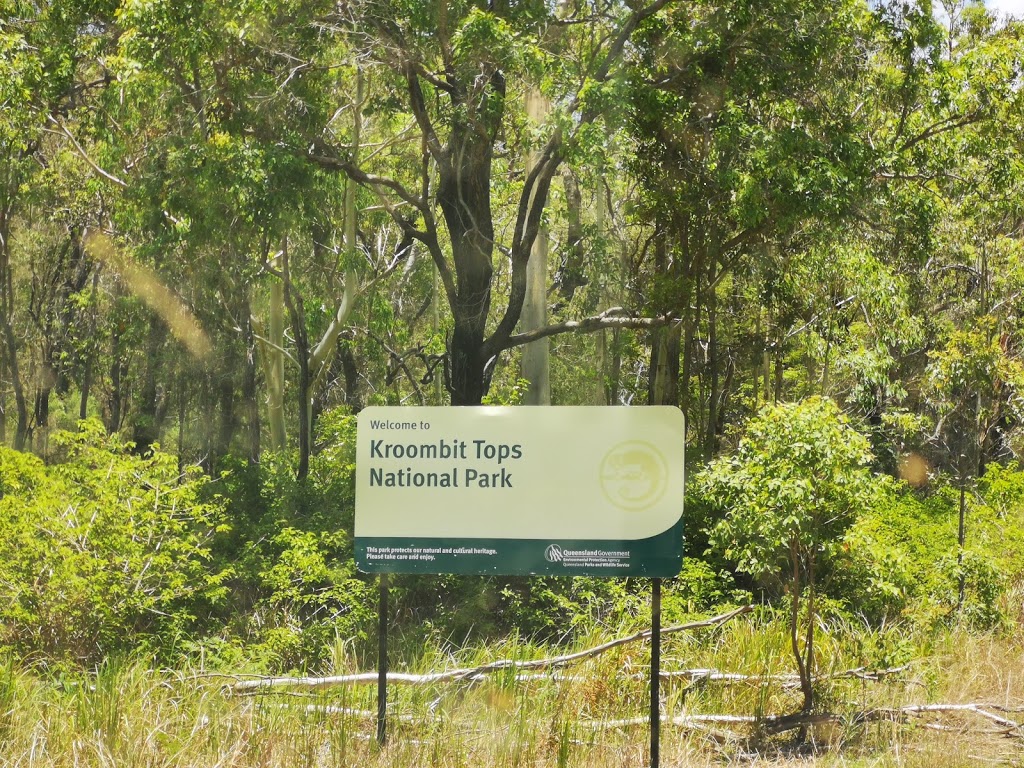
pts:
[85, 156]
[586, 325]
[471, 673]
[334, 162]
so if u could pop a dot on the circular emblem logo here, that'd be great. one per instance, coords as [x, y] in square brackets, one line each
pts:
[634, 475]
[553, 554]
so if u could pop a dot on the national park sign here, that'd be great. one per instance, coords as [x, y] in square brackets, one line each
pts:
[594, 491]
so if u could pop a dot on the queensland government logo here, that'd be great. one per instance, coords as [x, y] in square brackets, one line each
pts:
[553, 554]
[634, 475]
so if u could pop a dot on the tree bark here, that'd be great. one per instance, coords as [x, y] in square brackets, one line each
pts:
[535, 361]
[10, 341]
[146, 428]
[11, 349]
[118, 370]
[274, 352]
[250, 391]
[464, 194]
[711, 435]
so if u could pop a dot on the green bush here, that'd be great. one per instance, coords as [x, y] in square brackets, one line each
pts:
[104, 550]
[903, 553]
[294, 589]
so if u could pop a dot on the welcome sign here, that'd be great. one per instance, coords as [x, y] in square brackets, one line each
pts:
[594, 491]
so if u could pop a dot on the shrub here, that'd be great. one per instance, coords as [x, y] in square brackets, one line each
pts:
[104, 550]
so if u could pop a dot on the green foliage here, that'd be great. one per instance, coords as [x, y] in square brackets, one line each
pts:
[700, 588]
[295, 590]
[104, 550]
[903, 559]
[793, 488]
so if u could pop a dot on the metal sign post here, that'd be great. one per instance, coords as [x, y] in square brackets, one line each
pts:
[655, 671]
[382, 663]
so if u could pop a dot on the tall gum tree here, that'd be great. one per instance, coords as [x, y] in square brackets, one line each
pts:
[457, 67]
[742, 118]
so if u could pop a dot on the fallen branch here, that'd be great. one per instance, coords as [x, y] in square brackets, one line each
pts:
[780, 723]
[588, 325]
[331, 709]
[472, 673]
[787, 681]
[898, 714]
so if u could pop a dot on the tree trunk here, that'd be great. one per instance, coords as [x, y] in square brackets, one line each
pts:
[794, 629]
[11, 348]
[3, 397]
[226, 416]
[274, 352]
[146, 429]
[961, 540]
[535, 363]
[714, 393]
[118, 370]
[663, 375]
[10, 341]
[42, 416]
[86, 383]
[297, 312]
[250, 392]
[573, 272]
[779, 356]
[663, 387]
[464, 195]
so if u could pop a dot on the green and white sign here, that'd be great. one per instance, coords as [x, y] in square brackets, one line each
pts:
[591, 491]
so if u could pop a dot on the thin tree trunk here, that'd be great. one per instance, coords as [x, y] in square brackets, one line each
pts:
[274, 352]
[777, 392]
[794, 628]
[535, 363]
[614, 375]
[182, 414]
[86, 385]
[3, 397]
[146, 430]
[961, 540]
[714, 394]
[250, 391]
[118, 370]
[808, 688]
[42, 417]
[297, 312]
[11, 345]
[758, 363]
[663, 381]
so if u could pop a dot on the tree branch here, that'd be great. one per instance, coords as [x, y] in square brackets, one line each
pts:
[586, 325]
[471, 673]
[64, 130]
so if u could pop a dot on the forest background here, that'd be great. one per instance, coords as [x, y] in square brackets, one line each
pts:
[227, 227]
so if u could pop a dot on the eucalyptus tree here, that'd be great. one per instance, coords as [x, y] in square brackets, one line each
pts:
[48, 76]
[745, 124]
[218, 180]
[454, 68]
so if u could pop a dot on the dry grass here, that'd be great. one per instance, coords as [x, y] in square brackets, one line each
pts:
[129, 716]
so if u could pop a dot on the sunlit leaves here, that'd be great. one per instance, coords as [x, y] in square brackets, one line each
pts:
[796, 481]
